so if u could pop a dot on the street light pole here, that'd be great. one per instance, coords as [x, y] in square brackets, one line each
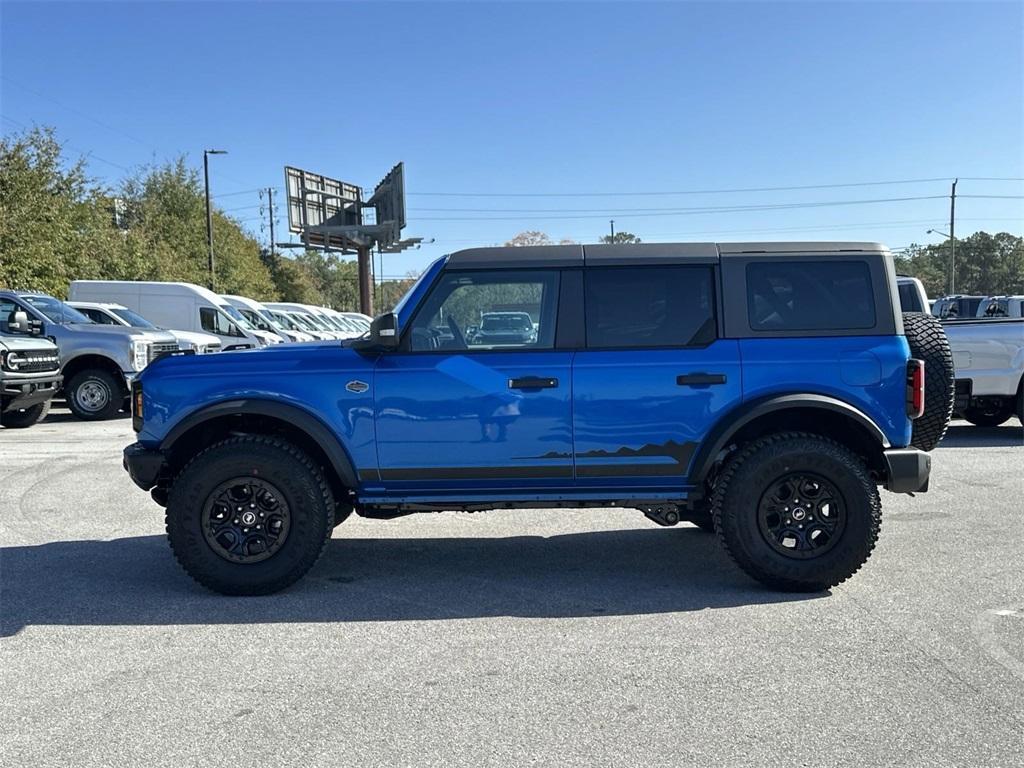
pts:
[952, 238]
[209, 211]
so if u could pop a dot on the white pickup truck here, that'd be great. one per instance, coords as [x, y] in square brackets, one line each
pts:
[988, 355]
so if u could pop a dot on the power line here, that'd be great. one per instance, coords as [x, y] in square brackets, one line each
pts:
[682, 192]
[692, 211]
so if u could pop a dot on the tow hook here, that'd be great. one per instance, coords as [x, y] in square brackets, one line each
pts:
[662, 514]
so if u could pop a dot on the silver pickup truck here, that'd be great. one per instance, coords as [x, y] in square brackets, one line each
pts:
[989, 359]
[29, 376]
[98, 362]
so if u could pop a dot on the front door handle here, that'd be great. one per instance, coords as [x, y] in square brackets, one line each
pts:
[532, 382]
[700, 379]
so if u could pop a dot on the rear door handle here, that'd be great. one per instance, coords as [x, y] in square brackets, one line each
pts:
[700, 379]
[532, 382]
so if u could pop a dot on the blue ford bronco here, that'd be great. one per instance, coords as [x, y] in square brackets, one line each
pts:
[763, 391]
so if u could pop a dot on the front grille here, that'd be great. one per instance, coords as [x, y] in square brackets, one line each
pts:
[32, 363]
[155, 350]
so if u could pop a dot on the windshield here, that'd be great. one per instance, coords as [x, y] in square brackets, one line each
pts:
[257, 320]
[317, 323]
[134, 320]
[235, 315]
[302, 322]
[57, 311]
[507, 323]
[283, 320]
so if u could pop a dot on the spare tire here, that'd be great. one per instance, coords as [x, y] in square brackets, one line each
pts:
[928, 342]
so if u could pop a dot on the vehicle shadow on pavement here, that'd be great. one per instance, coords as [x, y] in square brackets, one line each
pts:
[135, 581]
[1007, 436]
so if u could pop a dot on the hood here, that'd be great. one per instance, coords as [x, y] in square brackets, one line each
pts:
[267, 336]
[26, 344]
[242, 365]
[105, 331]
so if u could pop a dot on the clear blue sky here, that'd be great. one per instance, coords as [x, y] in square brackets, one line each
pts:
[552, 98]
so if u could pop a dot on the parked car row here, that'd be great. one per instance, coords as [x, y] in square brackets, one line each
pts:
[986, 336]
[90, 348]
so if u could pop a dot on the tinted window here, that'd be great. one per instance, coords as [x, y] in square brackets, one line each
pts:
[910, 300]
[213, 321]
[488, 310]
[809, 296]
[98, 317]
[649, 307]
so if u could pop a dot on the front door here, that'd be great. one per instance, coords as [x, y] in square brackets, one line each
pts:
[478, 396]
[654, 378]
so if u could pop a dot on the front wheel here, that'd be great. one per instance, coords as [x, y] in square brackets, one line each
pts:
[797, 512]
[26, 417]
[94, 395]
[249, 515]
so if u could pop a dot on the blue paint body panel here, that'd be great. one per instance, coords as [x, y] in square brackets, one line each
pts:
[635, 423]
[867, 372]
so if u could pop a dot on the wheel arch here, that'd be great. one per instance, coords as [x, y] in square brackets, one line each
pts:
[806, 412]
[257, 416]
[91, 360]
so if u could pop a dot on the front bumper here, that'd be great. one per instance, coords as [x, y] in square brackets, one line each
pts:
[143, 465]
[909, 470]
[18, 395]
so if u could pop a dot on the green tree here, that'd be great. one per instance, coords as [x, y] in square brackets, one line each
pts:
[620, 237]
[986, 264]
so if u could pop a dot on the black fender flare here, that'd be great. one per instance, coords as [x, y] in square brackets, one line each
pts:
[291, 414]
[727, 427]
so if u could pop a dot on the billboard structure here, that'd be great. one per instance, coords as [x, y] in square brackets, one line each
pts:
[327, 214]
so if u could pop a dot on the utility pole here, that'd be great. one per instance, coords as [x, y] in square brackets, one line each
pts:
[612, 223]
[270, 207]
[209, 212]
[952, 238]
[365, 293]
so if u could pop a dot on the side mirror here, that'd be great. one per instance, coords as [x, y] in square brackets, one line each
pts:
[19, 323]
[383, 334]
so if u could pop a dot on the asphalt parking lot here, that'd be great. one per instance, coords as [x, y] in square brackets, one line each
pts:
[568, 638]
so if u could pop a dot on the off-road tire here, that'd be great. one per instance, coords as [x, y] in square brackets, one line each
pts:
[26, 417]
[300, 482]
[102, 381]
[748, 474]
[990, 416]
[928, 342]
[702, 518]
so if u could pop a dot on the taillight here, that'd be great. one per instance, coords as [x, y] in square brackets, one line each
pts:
[137, 415]
[915, 388]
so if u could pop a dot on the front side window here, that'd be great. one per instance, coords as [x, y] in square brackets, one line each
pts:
[97, 316]
[810, 296]
[487, 310]
[649, 306]
[213, 321]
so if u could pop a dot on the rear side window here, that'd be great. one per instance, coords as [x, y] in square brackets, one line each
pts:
[810, 296]
[649, 306]
[910, 300]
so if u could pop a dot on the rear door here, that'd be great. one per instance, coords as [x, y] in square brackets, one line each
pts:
[654, 377]
[456, 409]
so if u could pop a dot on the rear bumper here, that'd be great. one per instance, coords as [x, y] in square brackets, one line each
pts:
[909, 470]
[24, 394]
[143, 465]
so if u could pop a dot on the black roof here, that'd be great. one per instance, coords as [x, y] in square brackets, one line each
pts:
[639, 253]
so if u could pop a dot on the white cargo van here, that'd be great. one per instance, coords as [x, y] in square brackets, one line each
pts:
[307, 319]
[263, 319]
[177, 305]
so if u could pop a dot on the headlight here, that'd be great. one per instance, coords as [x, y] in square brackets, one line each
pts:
[8, 361]
[140, 354]
[183, 344]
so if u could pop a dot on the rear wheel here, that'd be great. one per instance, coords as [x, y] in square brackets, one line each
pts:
[93, 395]
[928, 342]
[990, 414]
[249, 515]
[797, 512]
[26, 417]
